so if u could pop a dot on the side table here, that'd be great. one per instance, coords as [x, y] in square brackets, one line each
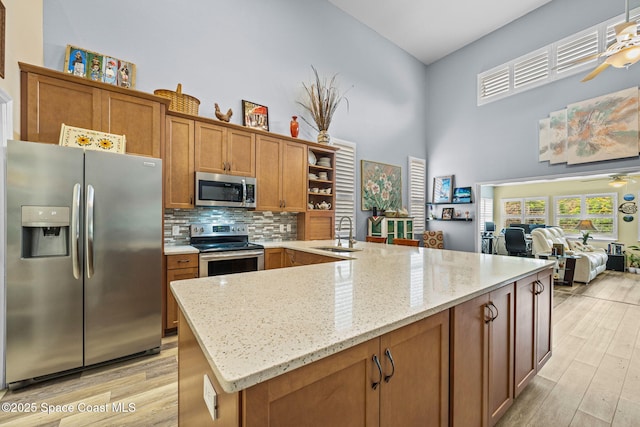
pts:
[565, 268]
[616, 262]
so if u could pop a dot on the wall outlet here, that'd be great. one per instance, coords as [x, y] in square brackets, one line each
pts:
[175, 230]
[210, 397]
[282, 228]
[288, 227]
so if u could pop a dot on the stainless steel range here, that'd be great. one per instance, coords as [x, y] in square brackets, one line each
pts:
[225, 249]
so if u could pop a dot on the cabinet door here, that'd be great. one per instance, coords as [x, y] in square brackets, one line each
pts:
[241, 153]
[415, 389]
[268, 167]
[51, 102]
[172, 305]
[178, 164]
[334, 391]
[316, 225]
[273, 258]
[294, 176]
[525, 332]
[210, 148]
[136, 118]
[469, 367]
[500, 375]
[543, 318]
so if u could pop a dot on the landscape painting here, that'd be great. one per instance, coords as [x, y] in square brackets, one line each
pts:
[558, 136]
[603, 128]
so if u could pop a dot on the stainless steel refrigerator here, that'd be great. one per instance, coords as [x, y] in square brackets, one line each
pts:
[83, 258]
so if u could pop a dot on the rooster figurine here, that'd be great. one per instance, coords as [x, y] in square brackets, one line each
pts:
[223, 117]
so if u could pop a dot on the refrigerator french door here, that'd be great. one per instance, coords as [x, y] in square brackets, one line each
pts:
[84, 243]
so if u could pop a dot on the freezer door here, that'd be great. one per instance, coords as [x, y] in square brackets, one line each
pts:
[44, 299]
[123, 214]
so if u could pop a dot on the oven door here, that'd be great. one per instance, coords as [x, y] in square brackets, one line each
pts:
[229, 262]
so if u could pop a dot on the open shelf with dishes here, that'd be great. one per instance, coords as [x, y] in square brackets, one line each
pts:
[321, 179]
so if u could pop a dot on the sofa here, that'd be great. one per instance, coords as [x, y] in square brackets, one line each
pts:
[592, 261]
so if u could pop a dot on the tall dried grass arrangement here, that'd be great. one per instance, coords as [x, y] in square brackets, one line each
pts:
[322, 98]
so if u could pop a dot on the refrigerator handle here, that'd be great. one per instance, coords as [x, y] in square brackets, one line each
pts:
[89, 230]
[75, 229]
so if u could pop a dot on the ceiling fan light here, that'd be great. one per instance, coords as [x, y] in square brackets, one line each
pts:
[625, 57]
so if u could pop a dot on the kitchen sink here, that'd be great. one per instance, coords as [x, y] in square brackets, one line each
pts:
[337, 249]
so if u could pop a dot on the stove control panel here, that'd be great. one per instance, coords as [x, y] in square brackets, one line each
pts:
[199, 230]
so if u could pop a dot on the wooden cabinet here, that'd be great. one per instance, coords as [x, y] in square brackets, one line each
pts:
[316, 225]
[51, 98]
[391, 228]
[533, 307]
[179, 267]
[273, 258]
[224, 150]
[409, 388]
[280, 175]
[482, 358]
[179, 174]
[293, 258]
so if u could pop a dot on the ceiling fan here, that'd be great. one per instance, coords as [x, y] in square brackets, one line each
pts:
[623, 52]
[616, 180]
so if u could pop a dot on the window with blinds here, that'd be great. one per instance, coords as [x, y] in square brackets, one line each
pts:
[345, 191]
[417, 192]
[563, 58]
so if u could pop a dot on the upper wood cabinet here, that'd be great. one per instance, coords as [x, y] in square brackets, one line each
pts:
[281, 172]
[223, 150]
[179, 175]
[51, 98]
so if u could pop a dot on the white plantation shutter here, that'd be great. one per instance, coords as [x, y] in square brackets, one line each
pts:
[345, 181]
[417, 192]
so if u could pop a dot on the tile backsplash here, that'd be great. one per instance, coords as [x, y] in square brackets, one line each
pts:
[261, 226]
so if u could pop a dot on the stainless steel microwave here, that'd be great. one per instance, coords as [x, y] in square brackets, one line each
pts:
[214, 189]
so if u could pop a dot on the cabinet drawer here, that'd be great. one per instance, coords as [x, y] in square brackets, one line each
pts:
[182, 261]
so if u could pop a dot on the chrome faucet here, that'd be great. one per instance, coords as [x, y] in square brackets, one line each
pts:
[351, 239]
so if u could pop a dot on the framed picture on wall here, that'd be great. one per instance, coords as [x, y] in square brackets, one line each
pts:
[462, 195]
[442, 187]
[255, 115]
[447, 213]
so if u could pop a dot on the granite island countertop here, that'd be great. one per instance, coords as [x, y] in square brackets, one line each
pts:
[257, 325]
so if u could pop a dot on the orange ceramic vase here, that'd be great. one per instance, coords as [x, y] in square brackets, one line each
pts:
[294, 126]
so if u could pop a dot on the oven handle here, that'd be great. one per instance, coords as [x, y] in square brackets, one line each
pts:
[231, 255]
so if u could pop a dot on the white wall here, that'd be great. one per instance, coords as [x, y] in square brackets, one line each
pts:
[499, 141]
[226, 51]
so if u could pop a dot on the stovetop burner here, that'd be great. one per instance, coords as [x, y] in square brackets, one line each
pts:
[221, 238]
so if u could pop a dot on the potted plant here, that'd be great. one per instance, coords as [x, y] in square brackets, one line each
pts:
[634, 260]
[321, 99]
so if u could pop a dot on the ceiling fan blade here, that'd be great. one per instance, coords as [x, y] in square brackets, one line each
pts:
[625, 31]
[600, 68]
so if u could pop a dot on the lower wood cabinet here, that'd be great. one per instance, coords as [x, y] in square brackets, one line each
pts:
[179, 267]
[482, 358]
[292, 258]
[273, 258]
[316, 225]
[398, 379]
[534, 302]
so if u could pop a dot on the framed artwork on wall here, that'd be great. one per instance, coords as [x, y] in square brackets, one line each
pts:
[381, 186]
[442, 188]
[462, 195]
[255, 115]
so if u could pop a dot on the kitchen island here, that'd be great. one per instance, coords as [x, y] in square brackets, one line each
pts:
[362, 340]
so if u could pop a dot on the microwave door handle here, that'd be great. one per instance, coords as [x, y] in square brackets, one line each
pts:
[244, 192]
[89, 229]
[75, 229]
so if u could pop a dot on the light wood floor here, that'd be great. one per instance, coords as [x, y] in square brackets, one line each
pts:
[592, 379]
[150, 383]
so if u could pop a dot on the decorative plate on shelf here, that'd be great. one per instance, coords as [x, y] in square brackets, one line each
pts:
[312, 158]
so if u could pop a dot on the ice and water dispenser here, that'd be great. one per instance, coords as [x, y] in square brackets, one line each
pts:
[45, 231]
